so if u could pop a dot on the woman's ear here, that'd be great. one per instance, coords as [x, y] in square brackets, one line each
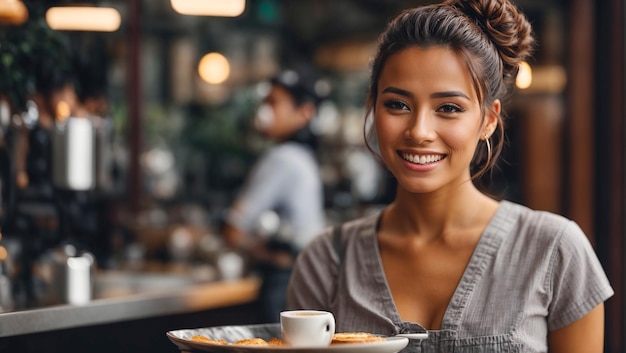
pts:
[491, 118]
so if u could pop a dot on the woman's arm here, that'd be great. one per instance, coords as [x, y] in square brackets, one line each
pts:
[585, 335]
[314, 277]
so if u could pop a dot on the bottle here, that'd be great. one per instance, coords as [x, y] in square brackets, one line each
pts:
[72, 276]
[6, 297]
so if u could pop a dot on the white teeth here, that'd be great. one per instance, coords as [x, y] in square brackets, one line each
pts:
[423, 159]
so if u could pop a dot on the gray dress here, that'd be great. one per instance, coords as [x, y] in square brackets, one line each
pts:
[532, 272]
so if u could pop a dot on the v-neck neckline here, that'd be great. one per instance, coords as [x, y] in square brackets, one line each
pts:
[485, 249]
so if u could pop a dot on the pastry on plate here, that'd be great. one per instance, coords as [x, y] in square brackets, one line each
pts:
[200, 338]
[252, 342]
[355, 337]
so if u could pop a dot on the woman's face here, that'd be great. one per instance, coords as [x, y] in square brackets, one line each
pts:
[279, 116]
[428, 118]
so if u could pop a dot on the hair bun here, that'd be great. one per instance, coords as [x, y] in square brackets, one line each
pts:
[506, 27]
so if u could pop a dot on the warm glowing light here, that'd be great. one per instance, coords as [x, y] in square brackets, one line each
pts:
[214, 68]
[83, 18]
[3, 253]
[13, 12]
[549, 79]
[63, 110]
[524, 76]
[226, 8]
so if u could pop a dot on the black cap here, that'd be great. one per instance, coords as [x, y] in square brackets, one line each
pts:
[301, 84]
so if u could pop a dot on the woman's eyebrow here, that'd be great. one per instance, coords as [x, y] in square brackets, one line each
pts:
[397, 90]
[447, 94]
[444, 94]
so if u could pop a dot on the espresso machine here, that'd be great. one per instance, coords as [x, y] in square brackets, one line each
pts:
[68, 169]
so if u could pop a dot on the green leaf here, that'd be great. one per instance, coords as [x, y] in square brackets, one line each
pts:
[7, 60]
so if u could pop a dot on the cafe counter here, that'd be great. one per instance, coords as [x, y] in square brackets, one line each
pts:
[130, 323]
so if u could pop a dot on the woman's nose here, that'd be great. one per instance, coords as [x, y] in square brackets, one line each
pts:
[420, 128]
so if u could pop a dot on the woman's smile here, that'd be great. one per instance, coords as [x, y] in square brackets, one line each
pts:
[423, 159]
[421, 162]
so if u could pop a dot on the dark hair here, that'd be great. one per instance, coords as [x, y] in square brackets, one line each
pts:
[493, 37]
[300, 84]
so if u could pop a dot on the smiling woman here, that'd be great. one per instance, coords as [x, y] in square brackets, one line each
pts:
[479, 274]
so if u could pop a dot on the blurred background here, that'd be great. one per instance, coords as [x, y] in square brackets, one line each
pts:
[127, 132]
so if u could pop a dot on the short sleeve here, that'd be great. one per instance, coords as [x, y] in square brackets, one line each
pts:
[578, 282]
[314, 276]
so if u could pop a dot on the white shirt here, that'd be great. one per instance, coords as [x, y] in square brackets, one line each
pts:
[287, 180]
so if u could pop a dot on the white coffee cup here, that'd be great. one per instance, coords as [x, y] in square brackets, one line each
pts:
[307, 328]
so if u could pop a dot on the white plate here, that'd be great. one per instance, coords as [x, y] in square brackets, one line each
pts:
[182, 339]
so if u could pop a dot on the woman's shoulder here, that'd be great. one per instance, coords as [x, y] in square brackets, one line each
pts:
[326, 243]
[559, 249]
[525, 213]
[540, 225]
[358, 226]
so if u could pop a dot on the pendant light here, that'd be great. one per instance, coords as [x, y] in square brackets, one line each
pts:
[13, 12]
[83, 18]
[223, 8]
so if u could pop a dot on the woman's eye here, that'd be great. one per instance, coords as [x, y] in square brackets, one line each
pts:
[450, 108]
[396, 105]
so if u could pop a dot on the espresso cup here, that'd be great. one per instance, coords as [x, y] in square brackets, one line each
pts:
[307, 328]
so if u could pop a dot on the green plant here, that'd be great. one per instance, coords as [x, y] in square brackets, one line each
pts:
[29, 54]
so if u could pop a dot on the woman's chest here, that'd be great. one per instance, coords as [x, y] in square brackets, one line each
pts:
[422, 283]
[481, 304]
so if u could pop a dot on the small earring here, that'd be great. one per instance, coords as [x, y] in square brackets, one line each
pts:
[488, 148]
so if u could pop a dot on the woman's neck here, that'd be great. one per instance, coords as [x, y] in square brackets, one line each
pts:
[438, 214]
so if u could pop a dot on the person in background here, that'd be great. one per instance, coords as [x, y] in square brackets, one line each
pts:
[476, 273]
[281, 208]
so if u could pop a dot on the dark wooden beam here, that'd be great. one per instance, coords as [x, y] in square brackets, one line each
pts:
[611, 135]
[134, 104]
[580, 111]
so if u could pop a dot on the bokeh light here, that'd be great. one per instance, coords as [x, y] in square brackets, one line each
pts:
[214, 68]
[524, 76]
